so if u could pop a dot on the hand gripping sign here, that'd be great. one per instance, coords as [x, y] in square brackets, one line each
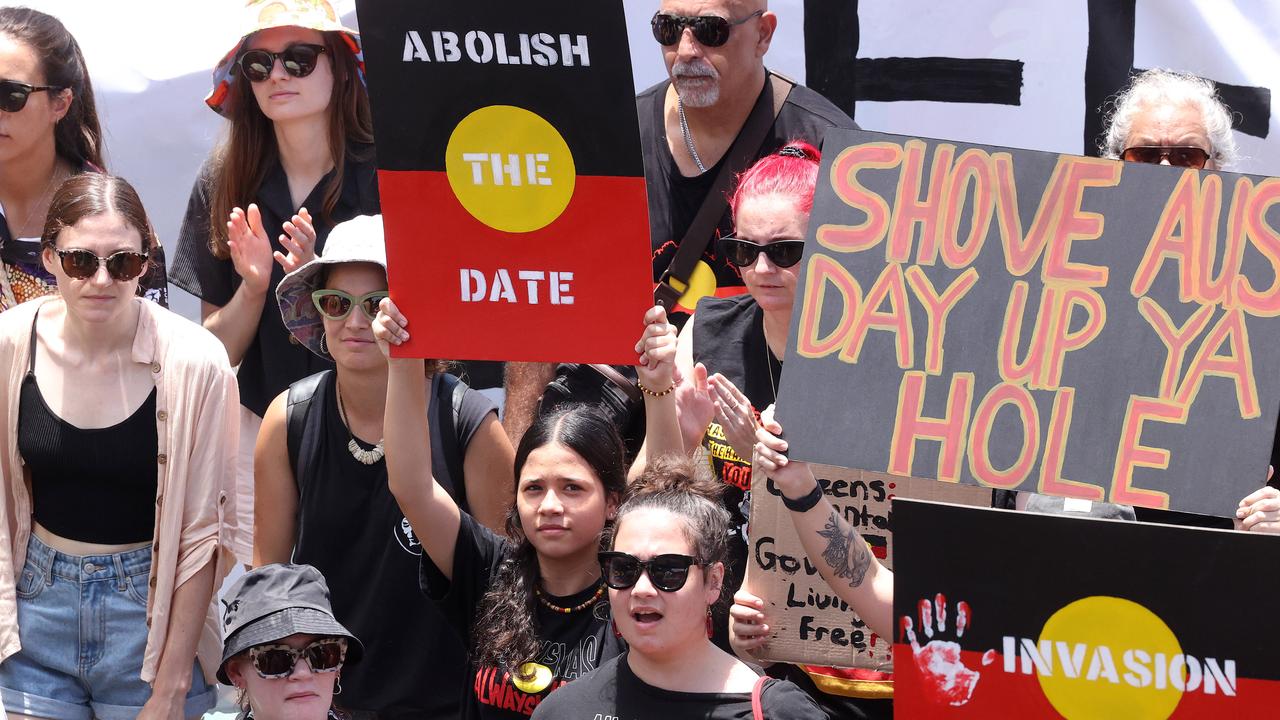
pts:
[1021, 320]
[511, 178]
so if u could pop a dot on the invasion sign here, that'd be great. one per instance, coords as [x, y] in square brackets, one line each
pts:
[1079, 617]
[1023, 320]
[511, 177]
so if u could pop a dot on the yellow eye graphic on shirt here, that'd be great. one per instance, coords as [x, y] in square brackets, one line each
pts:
[510, 168]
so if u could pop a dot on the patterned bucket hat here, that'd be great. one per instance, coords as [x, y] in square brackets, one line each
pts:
[358, 240]
[266, 14]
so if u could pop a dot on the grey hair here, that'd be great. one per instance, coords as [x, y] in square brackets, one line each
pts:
[1161, 86]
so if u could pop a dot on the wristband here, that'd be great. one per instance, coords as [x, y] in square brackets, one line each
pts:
[806, 503]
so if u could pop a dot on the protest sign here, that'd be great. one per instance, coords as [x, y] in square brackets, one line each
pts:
[511, 177]
[1016, 614]
[810, 623]
[1023, 320]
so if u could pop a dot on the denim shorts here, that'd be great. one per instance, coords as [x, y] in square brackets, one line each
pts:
[82, 621]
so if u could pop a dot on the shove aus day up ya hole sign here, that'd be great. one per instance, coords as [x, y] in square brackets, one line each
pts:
[1051, 323]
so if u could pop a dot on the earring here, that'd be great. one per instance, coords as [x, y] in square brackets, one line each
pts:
[614, 624]
[711, 628]
[324, 344]
[337, 686]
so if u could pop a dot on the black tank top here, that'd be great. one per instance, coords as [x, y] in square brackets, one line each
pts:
[94, 485]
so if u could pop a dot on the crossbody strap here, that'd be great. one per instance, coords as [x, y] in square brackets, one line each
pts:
[757, 709]
[745, 147]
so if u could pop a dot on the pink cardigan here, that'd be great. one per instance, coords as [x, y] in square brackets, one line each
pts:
[197, 407]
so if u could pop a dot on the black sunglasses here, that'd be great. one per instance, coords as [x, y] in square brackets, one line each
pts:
[1187, 156]
[277, 661]
[298, 60]
[709, 30]
[667, 572]
[123, 265]
[743, 253]
[14, 94]
[337, 305]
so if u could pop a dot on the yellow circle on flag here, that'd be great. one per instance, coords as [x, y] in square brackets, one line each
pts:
[510, 168]
[1106, 657]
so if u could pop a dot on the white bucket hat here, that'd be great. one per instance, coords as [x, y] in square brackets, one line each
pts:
[358, 240]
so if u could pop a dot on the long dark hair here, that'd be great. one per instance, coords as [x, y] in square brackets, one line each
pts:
[78, 135]
[506, 627]
[241, 161]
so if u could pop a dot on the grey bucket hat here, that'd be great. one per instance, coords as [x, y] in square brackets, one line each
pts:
[275, 601]
[358, 240]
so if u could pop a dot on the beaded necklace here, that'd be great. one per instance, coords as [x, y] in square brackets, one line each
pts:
[568, 610]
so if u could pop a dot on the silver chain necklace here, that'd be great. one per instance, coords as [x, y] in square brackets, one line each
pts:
[688, 139]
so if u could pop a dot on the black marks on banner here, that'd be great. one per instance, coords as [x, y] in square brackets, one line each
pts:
[940, 79]
[831, 36]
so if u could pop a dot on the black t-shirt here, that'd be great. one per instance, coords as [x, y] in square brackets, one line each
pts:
[728, 337]
[573, 644]
[352, 530]
[674, 199]
[615, 692]
[274, 359]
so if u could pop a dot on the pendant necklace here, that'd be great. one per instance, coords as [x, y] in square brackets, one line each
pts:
[367, 457]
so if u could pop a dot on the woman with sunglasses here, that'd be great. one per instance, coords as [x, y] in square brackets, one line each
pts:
[50, 123]
[665, 571]
[117, 479]
[296, 160]
[530, 606]
[741, 340]
[285, 651]
[319, 464]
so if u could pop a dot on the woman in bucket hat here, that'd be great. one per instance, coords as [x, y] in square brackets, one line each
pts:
[284, 649]
[297, 158]
[319, 465]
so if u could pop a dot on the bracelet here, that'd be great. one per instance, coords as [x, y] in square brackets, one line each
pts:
[805, 503]
[652, 393]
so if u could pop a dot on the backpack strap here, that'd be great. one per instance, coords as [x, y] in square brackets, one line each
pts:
[757, 709]
[449, 393]
[298, 405]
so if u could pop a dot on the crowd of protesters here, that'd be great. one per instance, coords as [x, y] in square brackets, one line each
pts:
[412, 556]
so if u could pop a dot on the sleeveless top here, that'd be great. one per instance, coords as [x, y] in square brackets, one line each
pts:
[95, 485]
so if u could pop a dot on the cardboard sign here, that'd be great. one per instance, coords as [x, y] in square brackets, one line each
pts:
[811, 624]
[1021, 320]
[1016, 614]
[511, 178]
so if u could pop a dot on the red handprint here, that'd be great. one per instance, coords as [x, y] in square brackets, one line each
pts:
[945, 676]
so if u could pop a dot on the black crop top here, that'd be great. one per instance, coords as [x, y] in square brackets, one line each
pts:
[94, 485]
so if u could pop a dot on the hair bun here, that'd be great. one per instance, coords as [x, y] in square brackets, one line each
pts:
[674, 474]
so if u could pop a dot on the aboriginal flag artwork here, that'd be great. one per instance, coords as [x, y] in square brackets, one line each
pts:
[511, 177]
[1031, 321]
[1021, 615]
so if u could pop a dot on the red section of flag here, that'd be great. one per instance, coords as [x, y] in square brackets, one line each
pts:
[602, 238]
[1000, 694]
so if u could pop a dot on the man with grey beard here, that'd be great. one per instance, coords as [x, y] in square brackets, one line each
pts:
[714, 52]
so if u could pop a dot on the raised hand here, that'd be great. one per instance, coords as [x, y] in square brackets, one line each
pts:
[657, 350]
[793, 478]
[250, 249]
[734, 413]
[299, 238]
[389, 326]
[694, 406]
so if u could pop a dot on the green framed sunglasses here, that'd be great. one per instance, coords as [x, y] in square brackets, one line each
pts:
[336, 305]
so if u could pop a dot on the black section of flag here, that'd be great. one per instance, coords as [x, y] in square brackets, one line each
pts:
[418, 103]
[1016, 569]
